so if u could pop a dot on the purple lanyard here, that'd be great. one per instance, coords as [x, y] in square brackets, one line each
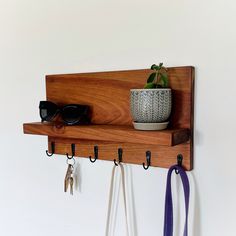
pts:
[168, 224]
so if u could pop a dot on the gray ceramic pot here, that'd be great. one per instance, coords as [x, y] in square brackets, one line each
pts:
[150, 105]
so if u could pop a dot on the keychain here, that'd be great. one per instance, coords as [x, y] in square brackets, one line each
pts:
[69, 180]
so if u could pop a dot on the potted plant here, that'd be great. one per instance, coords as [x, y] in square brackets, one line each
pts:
[151, 106]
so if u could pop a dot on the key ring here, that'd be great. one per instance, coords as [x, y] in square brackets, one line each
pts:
[70, 161]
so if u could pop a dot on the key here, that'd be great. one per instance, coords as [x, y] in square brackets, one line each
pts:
[68, 175]
[71, 180]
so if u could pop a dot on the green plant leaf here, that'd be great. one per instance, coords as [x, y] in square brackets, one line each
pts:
[159, 85]
[164, 75]
[164, 80]
[151, 77]
[150, 86]
[160, 65]
[153, 66]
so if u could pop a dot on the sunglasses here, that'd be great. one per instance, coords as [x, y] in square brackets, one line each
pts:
[71, 114]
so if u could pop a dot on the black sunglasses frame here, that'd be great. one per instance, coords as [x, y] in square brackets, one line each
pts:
[83, 117]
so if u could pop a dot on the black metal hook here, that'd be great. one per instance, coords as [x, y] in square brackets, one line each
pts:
[179, 162]
[72, 151]
[95, 154]
[52, 149]
[148, 158]
[120, 153]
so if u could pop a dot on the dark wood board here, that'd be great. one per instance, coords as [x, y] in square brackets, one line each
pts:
[161, 156]
[108, 95]
[116, 133]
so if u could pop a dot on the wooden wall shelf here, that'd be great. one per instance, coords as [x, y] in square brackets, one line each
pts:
[116, 133]
[108, 95]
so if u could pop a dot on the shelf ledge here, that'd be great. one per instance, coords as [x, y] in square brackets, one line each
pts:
[112, 133]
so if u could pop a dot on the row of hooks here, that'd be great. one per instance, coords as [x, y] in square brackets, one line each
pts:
[120, 153]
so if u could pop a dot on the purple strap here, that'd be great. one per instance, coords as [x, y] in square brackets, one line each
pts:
[168, 221]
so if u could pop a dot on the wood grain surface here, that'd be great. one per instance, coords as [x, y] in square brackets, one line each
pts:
[161, 156]
[116, 133]
[108, 95]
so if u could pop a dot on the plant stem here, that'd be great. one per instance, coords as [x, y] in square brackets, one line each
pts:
[157, 75]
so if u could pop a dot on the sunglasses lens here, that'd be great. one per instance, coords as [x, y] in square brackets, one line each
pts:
[72, 114]
[47, 110]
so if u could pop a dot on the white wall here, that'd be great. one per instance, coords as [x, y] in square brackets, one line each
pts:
[51, 36]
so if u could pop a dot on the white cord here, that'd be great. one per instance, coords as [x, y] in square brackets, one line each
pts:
[112, 201]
